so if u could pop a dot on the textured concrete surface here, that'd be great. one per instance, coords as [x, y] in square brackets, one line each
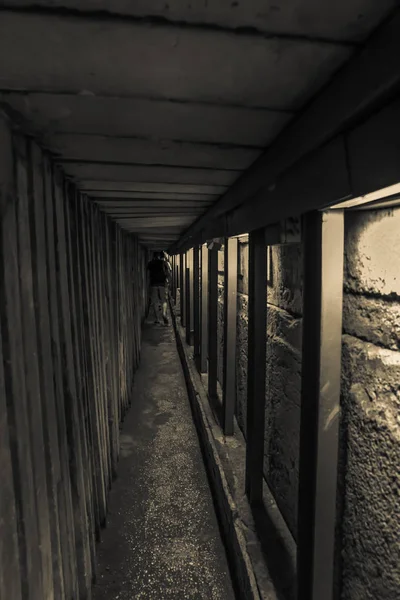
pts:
[368, 539]
[282, 411]
[162, 539]
[220, 329]
[241, 362]
[371, 513]
[285, 283]
[283, 378]
[372, 256]
[369, 476]
[283, 371]
[374, 319]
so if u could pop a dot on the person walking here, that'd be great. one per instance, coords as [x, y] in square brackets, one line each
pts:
[159, 275]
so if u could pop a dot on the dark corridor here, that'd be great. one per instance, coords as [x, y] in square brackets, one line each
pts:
[256, 143]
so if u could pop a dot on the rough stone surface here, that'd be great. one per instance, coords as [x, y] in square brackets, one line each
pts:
[285, 283]
[375, 320]
[241, 362]
[282, 411]
[371, 512]
[243, 269]
[372, 252]
[220, 332]
[368, 517]
[163, 539]
[283, 372]
[368, 531]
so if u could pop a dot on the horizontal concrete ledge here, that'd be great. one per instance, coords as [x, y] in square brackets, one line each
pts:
[248, 562]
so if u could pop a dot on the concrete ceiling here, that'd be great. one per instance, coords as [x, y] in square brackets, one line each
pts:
[155, 108]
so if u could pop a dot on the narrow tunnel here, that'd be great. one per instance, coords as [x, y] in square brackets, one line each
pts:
[247, 444]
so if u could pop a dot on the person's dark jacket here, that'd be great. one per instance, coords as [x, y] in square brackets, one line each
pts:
[158, 272]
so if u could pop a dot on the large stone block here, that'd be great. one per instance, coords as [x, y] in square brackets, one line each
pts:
[378, 369]
[372, 252]
[285, 284]
[375, 320]
[243, 267]
[370, 424]
[283, 325]
[220, 334]
[282, 412]
[221, 259]
[241, 361]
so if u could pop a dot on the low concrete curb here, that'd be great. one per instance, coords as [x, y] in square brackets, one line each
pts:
[233, 527]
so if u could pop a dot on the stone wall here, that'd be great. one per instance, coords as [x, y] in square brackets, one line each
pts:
[282, 414]
[220, 333]
[368, 518]
[283, 379]
[369, 480]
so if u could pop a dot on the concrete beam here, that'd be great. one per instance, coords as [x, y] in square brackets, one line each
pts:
[97, 148]
[92, 171]
[145, 208]
[144, 118]
[52, 53]
[374, 151]
[126, 213]
[156, 196]
[352, 20]
[158, 236]
[349, 166]
[92, 187]
[359, 86]
[313, 183]
[156, 222]
[151, 205]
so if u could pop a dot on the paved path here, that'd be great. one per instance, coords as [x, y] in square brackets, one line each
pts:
[162, 539]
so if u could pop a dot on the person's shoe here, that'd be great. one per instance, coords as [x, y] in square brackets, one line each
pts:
[165, 319]
[157, 322]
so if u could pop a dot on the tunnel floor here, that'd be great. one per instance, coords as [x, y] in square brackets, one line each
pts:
[162, 538]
